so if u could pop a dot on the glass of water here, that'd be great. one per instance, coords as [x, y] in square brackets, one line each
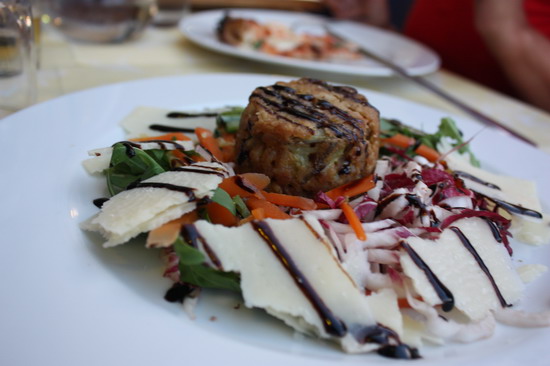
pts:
[101, 21]
[18, 56]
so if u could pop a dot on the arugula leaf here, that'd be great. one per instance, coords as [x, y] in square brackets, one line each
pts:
[193, 270]
[241, 207]
[126, 169]
[230, 120]
[223, 198]
[447, 129]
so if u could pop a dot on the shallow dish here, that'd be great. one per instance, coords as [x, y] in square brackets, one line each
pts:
[68, 301]
[414, 57]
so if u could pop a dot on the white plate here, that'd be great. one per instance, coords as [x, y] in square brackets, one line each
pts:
[67, 301]
[416, 58]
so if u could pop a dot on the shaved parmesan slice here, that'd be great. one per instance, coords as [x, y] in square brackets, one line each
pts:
[513, 190]
[142, 209]
[274, 259]
[102, 156]
[475, 291]
[139, 121]
[530, 272]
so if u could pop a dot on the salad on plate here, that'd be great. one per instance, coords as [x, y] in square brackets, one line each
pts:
[345, 225]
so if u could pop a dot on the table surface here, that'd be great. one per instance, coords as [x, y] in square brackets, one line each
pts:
[68, 66]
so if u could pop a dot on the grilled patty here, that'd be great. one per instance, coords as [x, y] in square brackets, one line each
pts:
[307, 136]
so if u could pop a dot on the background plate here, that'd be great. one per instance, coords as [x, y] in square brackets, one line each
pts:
[416, 58]
[67, 301]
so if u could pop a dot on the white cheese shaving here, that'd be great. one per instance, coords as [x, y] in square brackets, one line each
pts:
[267, 284]
[460, 272]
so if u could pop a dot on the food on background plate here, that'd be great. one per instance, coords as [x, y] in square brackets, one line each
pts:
[415, 251]
[277, 39]
[307, 136]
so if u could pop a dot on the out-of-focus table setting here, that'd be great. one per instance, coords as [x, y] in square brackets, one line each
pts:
[67, 66]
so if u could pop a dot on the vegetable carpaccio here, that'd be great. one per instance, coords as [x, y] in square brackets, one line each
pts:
[418, 251]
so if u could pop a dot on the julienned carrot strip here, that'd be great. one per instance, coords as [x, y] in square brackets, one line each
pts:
[270, 210]
[221, 215]
[290, 201]
[406, 141]
[172, 136]
[399, 140]
[227, 146]
[352, 189]
[353, 220]
[427, 152]
[239, 185]
[165, 235]
[258, 213]
[208, 141]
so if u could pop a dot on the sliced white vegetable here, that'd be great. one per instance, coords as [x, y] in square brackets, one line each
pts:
[459, 271]
[102, 156]
[512, 190]
[267, 284]
[137, 123]
[142, 209]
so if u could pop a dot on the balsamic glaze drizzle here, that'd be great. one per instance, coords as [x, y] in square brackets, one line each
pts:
[481, 264]
[331, 323]
[167, 128]
[187, 190]
[473, 178]
[192, 236]
[442, 292]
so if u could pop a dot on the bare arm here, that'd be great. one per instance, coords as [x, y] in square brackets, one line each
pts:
[523, 53]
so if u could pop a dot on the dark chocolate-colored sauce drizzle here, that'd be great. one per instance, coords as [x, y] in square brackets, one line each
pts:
[331, 323]
[510, 207]
[286, 99]
[180, 115]
[199, 171]
[481, 264]
[391, 344]
[98, 202]
[187, 190]
[473, 178]
[442, 292]
[191, 235]
[178, 292]
[191, 115]
[167, 128]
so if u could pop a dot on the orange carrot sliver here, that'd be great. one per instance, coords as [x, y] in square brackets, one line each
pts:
[240, 186]
[165, 235]
[406, 141]
[290, 201]
[208, 141]
[258, 213]
[221, 215]
[270, 210]
[399, 140]
[352, 189]
[427, 152]
[172, 136]
[354, 221]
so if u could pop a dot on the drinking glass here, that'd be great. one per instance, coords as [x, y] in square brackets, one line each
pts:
[18, 58]
[101, 21]
[171, 11]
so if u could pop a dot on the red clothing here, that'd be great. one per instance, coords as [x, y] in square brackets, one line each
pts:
[447, 26]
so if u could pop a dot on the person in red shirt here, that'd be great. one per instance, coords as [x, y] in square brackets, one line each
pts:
[504, 45]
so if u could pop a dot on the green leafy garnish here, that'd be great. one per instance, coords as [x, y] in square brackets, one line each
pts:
[193, 270]
[243, 211]
[230, 120]
[223, 198]
[129, 165]
[447, 130]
